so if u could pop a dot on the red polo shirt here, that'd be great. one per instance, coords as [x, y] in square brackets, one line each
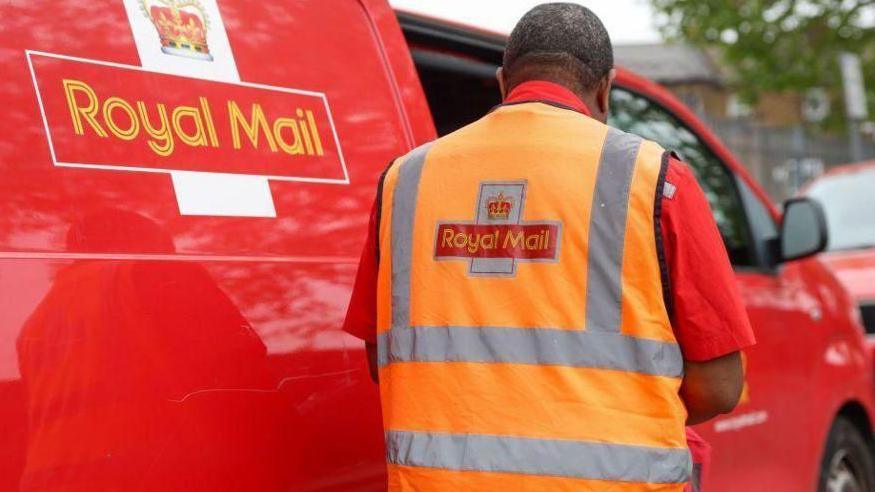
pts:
[708, 315]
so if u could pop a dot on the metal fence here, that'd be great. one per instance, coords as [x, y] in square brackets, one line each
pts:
[783, 158]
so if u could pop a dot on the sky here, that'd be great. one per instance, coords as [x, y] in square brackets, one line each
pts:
[627, 21]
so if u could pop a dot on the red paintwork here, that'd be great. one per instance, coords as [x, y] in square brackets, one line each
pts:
[856, 270]
[141, 349]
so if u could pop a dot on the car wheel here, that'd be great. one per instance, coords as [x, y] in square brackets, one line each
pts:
[847, 464]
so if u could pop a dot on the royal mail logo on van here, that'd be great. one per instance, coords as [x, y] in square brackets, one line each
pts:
[498, 239]
[185, 112]
[182, 26]
[103, 115]
[100, 114]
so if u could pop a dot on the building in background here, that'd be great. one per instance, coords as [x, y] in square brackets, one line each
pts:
[688, 71]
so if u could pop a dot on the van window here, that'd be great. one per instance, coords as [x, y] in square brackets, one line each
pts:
[762, 224]
[459, 90]
[456, 67]
[636, 114]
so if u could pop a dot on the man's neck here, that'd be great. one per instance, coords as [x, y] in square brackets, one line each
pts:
[547, 91]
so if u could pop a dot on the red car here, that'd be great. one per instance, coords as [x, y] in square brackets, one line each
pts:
[184, 191]
[846, 193]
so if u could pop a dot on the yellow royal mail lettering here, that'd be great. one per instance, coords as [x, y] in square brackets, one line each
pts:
[253, 127]
[514, 240]
[494, 242]
[194, 126]
[160, 137]
[199, 119]
[79, 111]
[133, 128]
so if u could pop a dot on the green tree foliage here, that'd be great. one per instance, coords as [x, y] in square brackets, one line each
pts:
[778, 45]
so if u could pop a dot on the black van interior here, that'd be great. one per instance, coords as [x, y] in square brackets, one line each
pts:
[453, 61]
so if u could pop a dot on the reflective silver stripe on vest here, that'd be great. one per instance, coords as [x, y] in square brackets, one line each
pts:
[607, 231]
[575, 348]
[403, 212]
[563, 458]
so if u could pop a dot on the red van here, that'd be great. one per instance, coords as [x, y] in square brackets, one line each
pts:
[184, 191]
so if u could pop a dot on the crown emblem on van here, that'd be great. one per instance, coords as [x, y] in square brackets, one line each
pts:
[182, 27]
[498, 207]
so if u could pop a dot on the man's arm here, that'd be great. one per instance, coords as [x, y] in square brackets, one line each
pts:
[361, 316]
[712, 387]
[708, 314]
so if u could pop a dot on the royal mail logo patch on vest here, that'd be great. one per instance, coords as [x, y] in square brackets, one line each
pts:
[498, 239]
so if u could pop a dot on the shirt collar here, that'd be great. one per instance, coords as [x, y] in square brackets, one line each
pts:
[546, 92]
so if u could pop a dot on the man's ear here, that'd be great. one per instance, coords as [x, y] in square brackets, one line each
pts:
[603, 96]
[499, 75]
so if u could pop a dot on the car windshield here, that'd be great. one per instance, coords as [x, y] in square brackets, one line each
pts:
[849, 202]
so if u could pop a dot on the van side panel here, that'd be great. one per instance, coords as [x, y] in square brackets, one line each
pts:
[165, 322]
[398, 53]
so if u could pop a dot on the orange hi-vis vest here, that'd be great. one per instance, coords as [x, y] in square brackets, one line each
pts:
[523, 338]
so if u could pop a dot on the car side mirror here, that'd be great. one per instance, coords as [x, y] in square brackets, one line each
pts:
[803, 229]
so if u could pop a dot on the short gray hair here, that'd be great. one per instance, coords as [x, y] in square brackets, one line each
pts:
[567, 36]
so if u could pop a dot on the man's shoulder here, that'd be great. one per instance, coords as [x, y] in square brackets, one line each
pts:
[418, 152]
[623, 136]
[450, 139]
[678, 171]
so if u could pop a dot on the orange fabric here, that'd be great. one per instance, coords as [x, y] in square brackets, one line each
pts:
[557, 152]
[435, 480]
[550, 402]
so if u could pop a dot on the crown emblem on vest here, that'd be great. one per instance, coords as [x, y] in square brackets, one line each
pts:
[498, 207]
[498, 238]
[182, 26]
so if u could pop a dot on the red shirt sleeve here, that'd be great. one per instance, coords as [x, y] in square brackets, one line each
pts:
[361, 316]
[709, 316]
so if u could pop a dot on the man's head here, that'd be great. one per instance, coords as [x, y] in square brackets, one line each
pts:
[564, 43]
